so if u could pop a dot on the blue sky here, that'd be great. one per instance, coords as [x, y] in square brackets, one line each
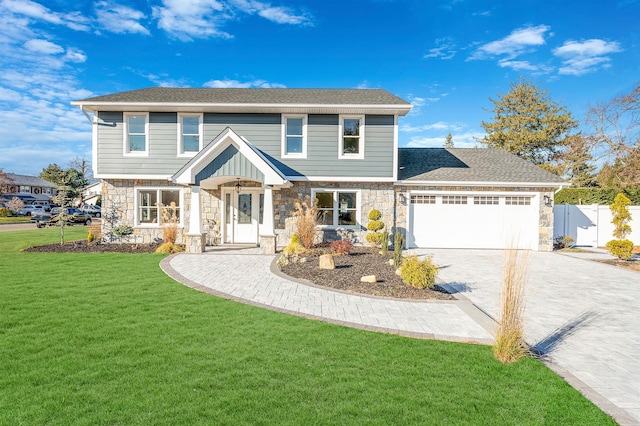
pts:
[447, 58]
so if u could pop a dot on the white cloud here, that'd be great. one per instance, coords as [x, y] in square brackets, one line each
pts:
[43, 46]
[119, 19]
[517, 65]
[468, 139]
[586, 56]
[445, 49]
[440, 125]
[226, 83]
[520, 41]
[190, 19]
[186, 20]
[31, 9]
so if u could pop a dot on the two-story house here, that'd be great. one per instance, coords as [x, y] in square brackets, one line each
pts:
[234, 161]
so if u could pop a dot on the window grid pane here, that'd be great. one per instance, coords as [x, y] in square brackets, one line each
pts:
[518, 201]
[454, 199]
[423, 199]
[486, 200]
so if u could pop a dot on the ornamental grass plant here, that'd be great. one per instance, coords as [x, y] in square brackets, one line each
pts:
[510, 345]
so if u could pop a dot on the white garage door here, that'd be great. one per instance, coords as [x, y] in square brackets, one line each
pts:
[473, 221]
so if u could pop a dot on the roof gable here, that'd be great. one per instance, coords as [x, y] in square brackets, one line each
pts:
[229, 156]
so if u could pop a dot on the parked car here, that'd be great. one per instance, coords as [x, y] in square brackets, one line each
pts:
[73, 216]
[92, 210]
[29, 209]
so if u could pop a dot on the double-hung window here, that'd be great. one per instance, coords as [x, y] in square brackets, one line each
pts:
[151, 201]
[189, 134]
[351, 137]
[294, 136]
[339, 208]
[136, 133]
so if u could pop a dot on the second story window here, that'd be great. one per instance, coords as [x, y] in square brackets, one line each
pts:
[294, 136]
[351, 137]
[189, 133]
[136, 132]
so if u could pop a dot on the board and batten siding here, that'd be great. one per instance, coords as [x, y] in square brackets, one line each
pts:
[263, 131]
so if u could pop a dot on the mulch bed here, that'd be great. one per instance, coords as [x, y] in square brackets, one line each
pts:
[350, 268]
[634, 265]
[84, 247]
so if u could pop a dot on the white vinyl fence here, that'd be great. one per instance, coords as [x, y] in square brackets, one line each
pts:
[591, 225]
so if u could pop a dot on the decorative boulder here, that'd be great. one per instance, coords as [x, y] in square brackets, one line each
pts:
[369, 279]
[326, 262]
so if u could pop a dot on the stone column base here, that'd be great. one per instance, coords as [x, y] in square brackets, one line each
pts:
[195, 243]
[268, 244]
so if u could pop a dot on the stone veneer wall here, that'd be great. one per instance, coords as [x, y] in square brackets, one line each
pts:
[118, 207]
[545, 226]
[378, 196]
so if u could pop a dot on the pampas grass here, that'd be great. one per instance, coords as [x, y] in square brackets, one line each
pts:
[306, 214]
[169, 223]
[510, 345]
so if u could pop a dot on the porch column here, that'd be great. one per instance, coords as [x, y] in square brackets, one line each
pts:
[267, 235]
[196, 239]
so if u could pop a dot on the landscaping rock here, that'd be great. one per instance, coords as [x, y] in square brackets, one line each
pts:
[326, 262]
[369, 279]
[399, 272]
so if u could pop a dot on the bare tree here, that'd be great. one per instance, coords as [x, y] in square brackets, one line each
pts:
[616, 138]
[5, 181]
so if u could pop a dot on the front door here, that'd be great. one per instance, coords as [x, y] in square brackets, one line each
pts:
[242, 216]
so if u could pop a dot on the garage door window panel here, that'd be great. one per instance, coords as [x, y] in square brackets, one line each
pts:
[454, 199]
[517, 201]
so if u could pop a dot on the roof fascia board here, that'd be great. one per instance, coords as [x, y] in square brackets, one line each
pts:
[483, 183]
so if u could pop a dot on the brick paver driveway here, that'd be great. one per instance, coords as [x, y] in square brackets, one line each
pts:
[585, 315]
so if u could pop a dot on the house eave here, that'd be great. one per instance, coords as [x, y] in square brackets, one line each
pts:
[483, 184]
[399, 110]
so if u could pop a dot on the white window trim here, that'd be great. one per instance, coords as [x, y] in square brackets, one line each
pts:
[136, 219]
[284, 152]
[181, 152]
[360, 154]
[125, 145]
[336, 208]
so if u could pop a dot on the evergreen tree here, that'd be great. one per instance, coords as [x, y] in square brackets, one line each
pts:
[448, 143]
[528, 123]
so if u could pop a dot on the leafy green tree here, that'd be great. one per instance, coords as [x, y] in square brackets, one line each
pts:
[448, 142]
[528, 123]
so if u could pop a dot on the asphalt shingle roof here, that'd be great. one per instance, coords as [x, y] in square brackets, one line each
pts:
[25, 180]
[253, 96]
[469, 165]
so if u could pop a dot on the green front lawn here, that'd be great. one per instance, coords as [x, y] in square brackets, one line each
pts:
[110, 339]
[15, 219]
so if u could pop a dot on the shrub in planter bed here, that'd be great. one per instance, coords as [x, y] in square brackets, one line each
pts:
[419, 273]
[341, 247]
[622, 249]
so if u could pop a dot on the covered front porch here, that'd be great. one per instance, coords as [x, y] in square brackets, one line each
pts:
[242, 181]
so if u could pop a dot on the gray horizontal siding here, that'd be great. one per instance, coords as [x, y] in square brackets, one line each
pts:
[263, 131]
